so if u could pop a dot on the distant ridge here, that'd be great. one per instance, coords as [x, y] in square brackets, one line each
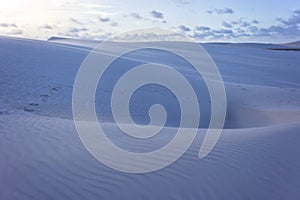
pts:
[296, 43]
[292, 46]
[74, 42]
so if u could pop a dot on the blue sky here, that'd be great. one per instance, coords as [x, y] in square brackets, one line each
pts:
[214, 20]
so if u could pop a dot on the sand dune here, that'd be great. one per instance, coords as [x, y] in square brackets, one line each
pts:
[42, 156]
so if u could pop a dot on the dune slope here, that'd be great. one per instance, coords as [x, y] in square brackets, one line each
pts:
[41, 156]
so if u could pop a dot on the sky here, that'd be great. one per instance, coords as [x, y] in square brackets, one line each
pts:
[273, 21]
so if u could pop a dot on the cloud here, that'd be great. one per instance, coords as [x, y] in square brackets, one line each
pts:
[75, 21]
[206, 33]
[227, 25]
[10, 29]
[136, 15]
[203, 35]
[182, 2]
[114, 24]
[222, 31]
[294, 20]
[288, 29]
[221, 11]
[157, 14]
[77, 30]
[202, 28]
[14, 32]
[157, 17]
[5, 25]
[184, 28]
[277, 31]
[147, 36]
[47, 26]
[104, 19]
[245, 24]
[241, 23]
[86, 35]
[253, 28]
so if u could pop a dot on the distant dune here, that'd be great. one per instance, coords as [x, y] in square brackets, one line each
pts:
[92, 43]
[295, 44]
[76, 42]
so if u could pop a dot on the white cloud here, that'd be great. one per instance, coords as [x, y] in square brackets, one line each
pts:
[104, 19]
[136, 15]
[184, 28]
[157, 14]
[8, 25]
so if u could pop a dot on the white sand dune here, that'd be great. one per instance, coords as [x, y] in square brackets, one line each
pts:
[41, 156]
